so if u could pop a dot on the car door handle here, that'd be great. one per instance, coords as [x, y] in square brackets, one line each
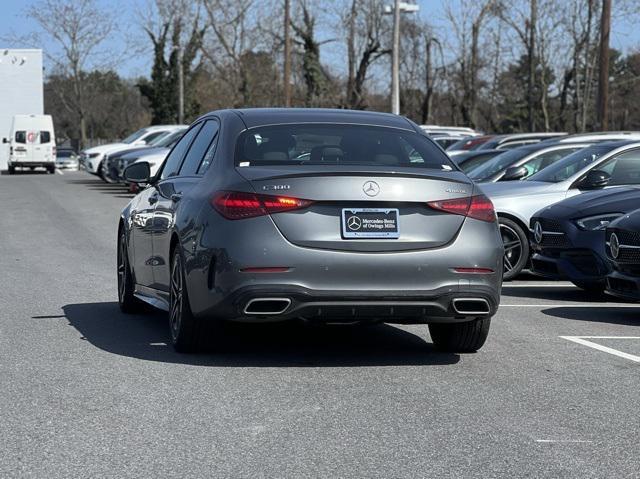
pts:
[176, 197]
[153, 199]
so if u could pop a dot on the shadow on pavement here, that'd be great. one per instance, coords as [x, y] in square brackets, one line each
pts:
[268, 345]
[622, 316]
[570, 293]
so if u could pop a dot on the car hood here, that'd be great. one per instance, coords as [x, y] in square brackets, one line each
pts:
[622, 199]
[629, 222]
[516, 188]
[104, 148]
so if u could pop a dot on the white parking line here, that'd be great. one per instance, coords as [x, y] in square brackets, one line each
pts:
[583, 340]
[572, 441]
[539, 285]
[571, 305]
[59, 172]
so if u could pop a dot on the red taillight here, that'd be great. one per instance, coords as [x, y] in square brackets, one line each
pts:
[235, 205]
[474, 270]
[477, 207]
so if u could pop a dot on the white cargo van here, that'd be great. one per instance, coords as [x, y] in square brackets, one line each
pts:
[32, 143]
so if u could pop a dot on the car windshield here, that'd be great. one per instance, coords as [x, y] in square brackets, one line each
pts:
[168, 140]
[468, 162]
[572, 164]
[498, 163]
[321, 144]
[134, 136]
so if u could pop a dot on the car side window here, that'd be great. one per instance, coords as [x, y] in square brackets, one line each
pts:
[21, 136]
[624, 168]
[200, 146]
[174, 160]
[545, 159]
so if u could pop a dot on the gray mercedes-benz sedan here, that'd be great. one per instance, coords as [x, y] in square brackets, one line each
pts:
[332, 216]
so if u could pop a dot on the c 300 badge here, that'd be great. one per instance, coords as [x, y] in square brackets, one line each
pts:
[276, 187]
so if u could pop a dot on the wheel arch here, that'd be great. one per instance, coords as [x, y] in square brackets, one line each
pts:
[516, 219]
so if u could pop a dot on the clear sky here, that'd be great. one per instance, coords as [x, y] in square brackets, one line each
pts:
[625, 34]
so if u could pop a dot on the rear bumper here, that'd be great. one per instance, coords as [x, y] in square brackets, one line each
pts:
[407, 307]
[30, 164]
[624, 285]
[402, 286]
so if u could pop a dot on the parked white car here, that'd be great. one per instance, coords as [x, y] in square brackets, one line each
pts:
[91, 158]
[32, 143]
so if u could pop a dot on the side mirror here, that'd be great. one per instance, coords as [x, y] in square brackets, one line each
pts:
[595, 179]
[514, 173]
[4, 140]
[138, 172]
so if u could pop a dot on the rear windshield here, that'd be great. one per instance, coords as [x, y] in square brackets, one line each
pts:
[572, 164]
[338, 145]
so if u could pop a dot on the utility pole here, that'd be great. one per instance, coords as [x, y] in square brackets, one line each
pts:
[398, 8]
[180, 86]
[603, 77]
[532, 64]
[287, 54]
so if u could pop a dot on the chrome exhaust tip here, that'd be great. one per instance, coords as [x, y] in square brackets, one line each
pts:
[266, 306]
[470, 306]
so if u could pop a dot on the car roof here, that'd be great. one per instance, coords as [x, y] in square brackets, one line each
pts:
[253, 117]
[525, 136]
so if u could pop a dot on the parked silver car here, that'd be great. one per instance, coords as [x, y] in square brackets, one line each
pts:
[597, 166]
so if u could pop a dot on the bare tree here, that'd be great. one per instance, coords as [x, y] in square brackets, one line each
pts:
[467, 23]
[366, 31]
[78, 30]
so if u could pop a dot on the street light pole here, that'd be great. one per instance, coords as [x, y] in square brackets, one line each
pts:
[180, 86]
[398, 8]
[395, 60]
[287, 54]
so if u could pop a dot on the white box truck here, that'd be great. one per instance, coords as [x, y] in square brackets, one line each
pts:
[32, 143]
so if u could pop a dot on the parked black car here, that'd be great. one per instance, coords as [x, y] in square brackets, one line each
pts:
[623, 249]
[568, 238]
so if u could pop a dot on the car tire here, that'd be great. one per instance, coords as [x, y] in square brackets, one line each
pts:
[187, 331]
[464, 337]
[128, 303]
[12, 170]
[516, 248]
[592, 288]
[51, 169]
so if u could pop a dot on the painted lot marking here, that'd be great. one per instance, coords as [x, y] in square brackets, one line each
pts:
[571, 441]
[584, 341]
[59, 172]
[570, 305]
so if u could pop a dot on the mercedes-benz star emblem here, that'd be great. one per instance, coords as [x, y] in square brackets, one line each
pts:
[614, 245]
[371, 188]
[537, 232]
[354, 223]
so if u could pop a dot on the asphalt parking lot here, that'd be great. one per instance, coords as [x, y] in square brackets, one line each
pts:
[89, 392]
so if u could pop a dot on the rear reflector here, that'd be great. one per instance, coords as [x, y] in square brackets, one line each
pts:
[474, 270]
[236, 205]
[272, 269]
[477, 207]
